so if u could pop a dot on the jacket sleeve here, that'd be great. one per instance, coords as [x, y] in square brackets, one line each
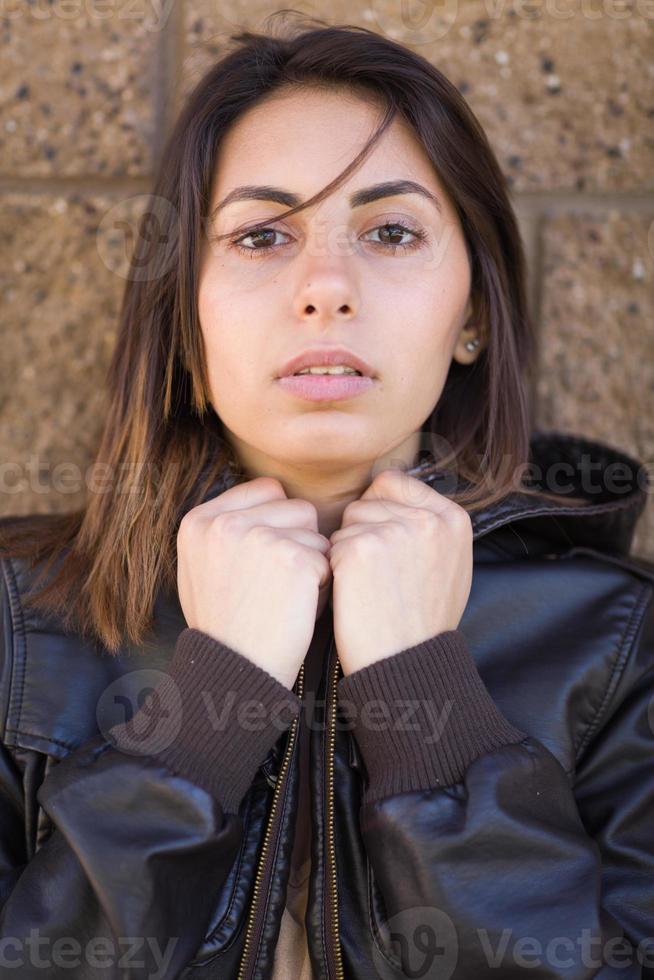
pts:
[508, 869]
[126, 882]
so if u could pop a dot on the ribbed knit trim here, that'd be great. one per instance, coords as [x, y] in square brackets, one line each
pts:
[421, 716]
[213, 720]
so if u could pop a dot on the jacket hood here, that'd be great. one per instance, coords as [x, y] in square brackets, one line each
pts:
[612, 484]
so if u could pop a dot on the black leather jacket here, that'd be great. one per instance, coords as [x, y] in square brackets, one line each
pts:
[534, 865]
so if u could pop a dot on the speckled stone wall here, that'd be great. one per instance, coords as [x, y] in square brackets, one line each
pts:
[90, 88]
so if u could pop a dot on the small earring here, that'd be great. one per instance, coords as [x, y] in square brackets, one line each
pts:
[472, 344]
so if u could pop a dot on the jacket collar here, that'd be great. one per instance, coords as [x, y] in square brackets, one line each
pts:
[613, 484]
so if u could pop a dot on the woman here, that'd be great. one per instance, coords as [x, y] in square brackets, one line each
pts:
[260, 718]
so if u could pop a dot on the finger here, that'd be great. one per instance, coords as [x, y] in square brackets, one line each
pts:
[281, 513]
[388, 481]
[343, 533]
[379, 511]
[396, 486]
[243, 496]
[312, 539]
[325, 571]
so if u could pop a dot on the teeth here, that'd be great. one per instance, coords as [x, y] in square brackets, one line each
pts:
[336, 369]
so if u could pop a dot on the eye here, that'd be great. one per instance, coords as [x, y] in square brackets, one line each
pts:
[261, 235]
[396, 230]
[262, 239]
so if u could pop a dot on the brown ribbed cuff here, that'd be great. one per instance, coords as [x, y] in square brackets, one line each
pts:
[213, 720]
[421, 716]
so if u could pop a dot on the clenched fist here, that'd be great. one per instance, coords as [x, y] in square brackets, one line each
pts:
[251, 567]
[402, 569]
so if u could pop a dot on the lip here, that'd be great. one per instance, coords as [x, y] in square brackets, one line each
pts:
[325, 356]
[325, 387]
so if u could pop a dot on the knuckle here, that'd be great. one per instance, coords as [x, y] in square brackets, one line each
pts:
[228, 523]
[390, 528]
[271, 483]
[186, 526]
[350, 509]
[426, 515]
[308, 511]
[459, 517]
[364, 545]
[289, 552]
[256, 532]
[388, 475]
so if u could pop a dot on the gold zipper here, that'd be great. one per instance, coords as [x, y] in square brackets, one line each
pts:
[334, 955]
[254, 916]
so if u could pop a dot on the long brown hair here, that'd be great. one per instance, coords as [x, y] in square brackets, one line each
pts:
[111, 557]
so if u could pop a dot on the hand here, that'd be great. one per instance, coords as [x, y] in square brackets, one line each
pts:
[402, 569]
[250, 566]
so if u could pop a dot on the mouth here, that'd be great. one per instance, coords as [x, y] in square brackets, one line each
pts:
[349, 373]
[340, 360]
[325, 387]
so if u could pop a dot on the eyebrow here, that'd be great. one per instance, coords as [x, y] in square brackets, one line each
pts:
[388, 188]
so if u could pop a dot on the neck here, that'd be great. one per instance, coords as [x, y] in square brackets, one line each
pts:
[329, 486]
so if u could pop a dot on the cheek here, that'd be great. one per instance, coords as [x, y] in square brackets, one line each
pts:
[208, 305]
[421, 359]
[219, 317]
[234, 363]
[436, 315]
[226, 362]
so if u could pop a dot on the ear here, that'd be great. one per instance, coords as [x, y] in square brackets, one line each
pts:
[471, 331]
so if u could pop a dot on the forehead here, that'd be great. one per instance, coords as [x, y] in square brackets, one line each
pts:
[302, 138]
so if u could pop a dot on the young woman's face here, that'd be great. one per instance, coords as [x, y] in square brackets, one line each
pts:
[329, 275]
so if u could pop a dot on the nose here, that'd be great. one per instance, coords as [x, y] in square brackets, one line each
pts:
[311, 310]
[325, 296]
